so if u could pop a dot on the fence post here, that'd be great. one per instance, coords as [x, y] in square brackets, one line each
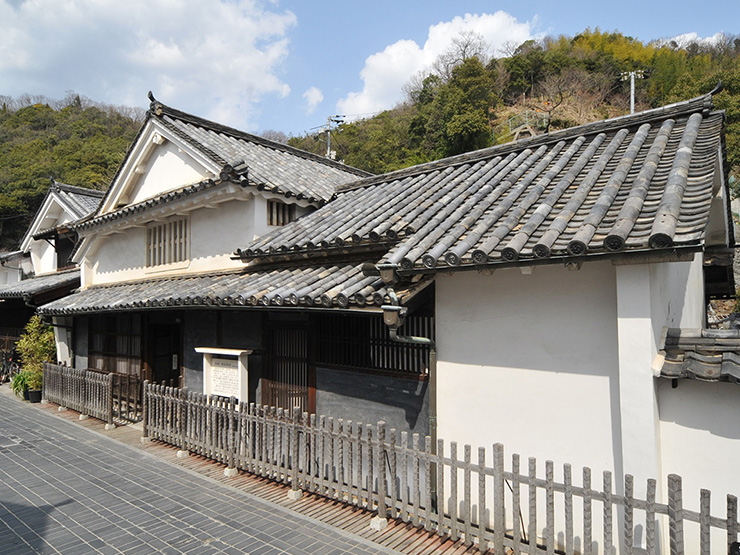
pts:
[231, 470]
[731, 522]
[295, 492]
[675, 514]
[499, 513]
[144, 413]
[109, 404]
[380, 522]
[180, 400]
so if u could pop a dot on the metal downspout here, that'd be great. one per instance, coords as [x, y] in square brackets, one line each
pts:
[396, 308]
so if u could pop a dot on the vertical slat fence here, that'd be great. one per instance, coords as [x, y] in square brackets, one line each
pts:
[397, 476]
[84, 391]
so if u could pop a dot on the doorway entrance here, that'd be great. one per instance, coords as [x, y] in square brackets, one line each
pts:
[165, 353]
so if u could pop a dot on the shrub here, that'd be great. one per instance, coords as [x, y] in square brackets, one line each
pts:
[36, 346]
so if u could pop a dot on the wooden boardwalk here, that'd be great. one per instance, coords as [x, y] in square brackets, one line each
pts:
[399, 536]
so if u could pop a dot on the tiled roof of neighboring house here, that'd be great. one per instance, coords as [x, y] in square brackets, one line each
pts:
[341, 285]
[707, 355]
[5, 256]
[79, 202]
[41, 284]
[630, 184]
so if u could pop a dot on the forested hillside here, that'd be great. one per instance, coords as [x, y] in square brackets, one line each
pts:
[75, 141]
[464, 102]
[467, 101]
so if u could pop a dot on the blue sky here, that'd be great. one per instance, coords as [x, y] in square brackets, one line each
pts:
[288, 64]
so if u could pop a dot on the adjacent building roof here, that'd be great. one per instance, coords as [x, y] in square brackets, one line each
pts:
[340, 285]
[40, 285]
[637, 183]
[77, 202]
[702, 354]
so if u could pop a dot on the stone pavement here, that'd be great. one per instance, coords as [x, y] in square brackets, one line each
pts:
[67, 489]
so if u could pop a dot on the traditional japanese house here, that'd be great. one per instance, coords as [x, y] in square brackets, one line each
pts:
[40, 271]
[164, 298]
[556, 267]
[521, 294]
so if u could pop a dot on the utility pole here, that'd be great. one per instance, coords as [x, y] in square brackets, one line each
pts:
[335, 120]
[639, 74]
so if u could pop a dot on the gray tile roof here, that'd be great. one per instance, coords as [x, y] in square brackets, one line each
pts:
[79, 202]
[126, 211]
[246, 159]
[706, 355]
[629, 184]
[321, 286]
[41, 284]
[273, 166]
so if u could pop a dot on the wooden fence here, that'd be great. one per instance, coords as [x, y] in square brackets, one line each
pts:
[486, 504]
[102, 395]
[84, 391]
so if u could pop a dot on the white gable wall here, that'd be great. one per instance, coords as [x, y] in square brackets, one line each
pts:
[166, 168]
[43, 255]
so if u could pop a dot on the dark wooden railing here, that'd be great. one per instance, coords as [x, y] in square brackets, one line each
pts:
[84, 391]
[102, 395]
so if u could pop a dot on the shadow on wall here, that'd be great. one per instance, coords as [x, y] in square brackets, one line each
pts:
[696, 405]
[26, 526]
[401, 403]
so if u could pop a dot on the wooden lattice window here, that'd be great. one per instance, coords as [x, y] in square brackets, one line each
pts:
[363, 342]
[115, 343]
[279, 213]
[167, 243]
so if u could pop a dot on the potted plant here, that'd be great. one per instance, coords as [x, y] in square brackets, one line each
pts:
[36, 346]
[19, 384]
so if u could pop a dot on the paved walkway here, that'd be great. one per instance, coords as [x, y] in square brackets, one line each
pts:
[67, 489]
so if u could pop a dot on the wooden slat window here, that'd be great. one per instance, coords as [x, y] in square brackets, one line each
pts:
[286, 378]
[363, 342]
[167, 243]
[279, 213]
[115, 343]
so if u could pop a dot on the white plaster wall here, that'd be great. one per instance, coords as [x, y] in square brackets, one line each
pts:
[120, 256]
[43, 257]
[10, 273]
[167, 168]
[700, 430]
[531, 361]
[215, 233]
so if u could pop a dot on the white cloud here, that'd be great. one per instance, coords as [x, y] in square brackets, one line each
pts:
[214, 58]
[313, 97]
[386, 72]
